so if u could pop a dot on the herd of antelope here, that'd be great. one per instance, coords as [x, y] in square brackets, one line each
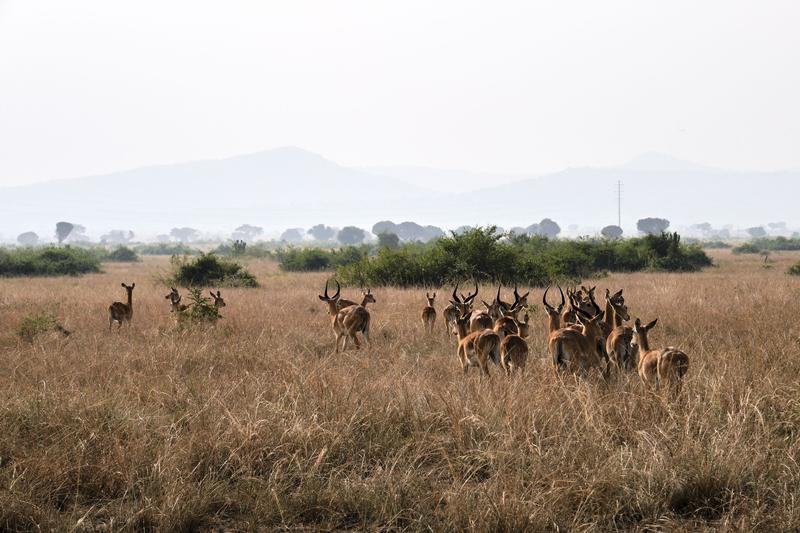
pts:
[582, 336]
[121, 312]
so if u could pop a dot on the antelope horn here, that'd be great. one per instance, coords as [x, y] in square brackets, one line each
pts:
[544, 298]
[338, 289]
[563, 301]
[455, 296]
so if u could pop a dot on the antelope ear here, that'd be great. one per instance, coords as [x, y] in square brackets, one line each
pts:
[133, 285]
[637, 323]
[212, 294]
[123, 285]
[434, 294]
[219, 295]
[651, 325]
[321, 297]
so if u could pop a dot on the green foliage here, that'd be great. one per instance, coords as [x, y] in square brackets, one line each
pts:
[747, 248]
[794, 270]
[166, 248]
[201, 309]
[242, 249]
[122, 254]
[484, 255]
[715, 245]
[208, 270]
[388, 240]
[47, 261]
[36, 324]
[777, 244]
[318, 259]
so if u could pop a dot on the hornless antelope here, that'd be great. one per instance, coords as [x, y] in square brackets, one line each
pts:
[477, 347]
[119, 312]
[619, 344]
[657, 367]
[429, 313]
[524, 327]
[175, 300]
[513, 354]
[218, 301]
[579, 351]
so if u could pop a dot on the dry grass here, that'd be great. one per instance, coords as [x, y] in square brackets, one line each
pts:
[254, 424]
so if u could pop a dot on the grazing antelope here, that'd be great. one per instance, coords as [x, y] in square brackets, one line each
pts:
[513, 353]
[579, 351]
[122, 312]
[429, 313]
[218, 301]
[175, 301]
[659, 367]
[619, 344]
[477, 347]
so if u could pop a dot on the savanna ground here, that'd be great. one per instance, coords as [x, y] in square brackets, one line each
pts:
[255, 425]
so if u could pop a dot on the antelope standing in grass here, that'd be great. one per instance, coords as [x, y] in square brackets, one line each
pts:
[659, 367]
[508, 323]
[477, 347]
[513, 354]
[554, 314]
[579, 351]
[122, 312]
[458, 307]
[349, 321]
[174, 298]
[429, 313]
[619, 344]
[580, 299]
[218, 300]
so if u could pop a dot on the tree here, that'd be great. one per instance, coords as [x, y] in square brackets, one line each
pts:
[117, 236]
[246, 233]
[292, 235]
[549, 228]
[63, 229]
[321, 232]
[28, 238]
[652, 226]
[388, 240]
[351, 235]
[705, 228]
[756, 232]
[78, 234]
[611, 232]
[385, 226]
[184, 234]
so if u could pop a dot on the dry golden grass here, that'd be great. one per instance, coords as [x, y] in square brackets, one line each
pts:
[255, 424]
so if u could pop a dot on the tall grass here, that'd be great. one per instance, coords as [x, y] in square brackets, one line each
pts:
[255, 424]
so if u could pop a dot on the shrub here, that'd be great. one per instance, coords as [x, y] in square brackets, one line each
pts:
[166, 248]
[208, 270]
[201, 309]
[34, 325]
[49, 261]
[794, 270]
[747, 248]
[483, 254]
[317, 259]
[123, 254]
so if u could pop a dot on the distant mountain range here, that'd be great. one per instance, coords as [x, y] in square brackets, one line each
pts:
[290, 187]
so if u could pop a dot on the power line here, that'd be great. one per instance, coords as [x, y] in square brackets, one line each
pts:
[619, 203]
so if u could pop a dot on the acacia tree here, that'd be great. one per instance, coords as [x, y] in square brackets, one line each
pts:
[611, 232]
[652, 226]
[292, 235]
[28, 238]
[63, 229]
[246, 233]
[351, 235]
[184, 234]
[388, 240]
[757, 232]
[321, 232]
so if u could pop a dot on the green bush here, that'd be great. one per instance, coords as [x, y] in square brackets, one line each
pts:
[34, 325]
[208, 270]
[777, 244]
[747, 248]
[47, 261]
[485, 255]
[123, 254]
[317, 259]
[201, 309]
[166, 248]
[794, 270]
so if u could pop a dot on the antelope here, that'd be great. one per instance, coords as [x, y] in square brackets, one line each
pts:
[457, 307]
[508, 324]
[513, 354]
[175, 301]
[553, 313]
[496, 308]
[347, 322]
[524, 327]
[619, 344]
[218, 301]
[578, 301]
[480, 321]
[477, 347]
[121, 312]
[429, 313]
[579, 351]
[657, 367]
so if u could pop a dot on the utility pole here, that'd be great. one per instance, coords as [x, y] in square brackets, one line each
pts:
[619, 203]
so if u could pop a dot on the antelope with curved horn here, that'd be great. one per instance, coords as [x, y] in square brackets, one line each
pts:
[429, 313]
[553, 313]
[579, 351]
[458, 307]
[496, 308]
[659, 367]
[122, 312]
[477, 347]
[619, 344]
[509, 324]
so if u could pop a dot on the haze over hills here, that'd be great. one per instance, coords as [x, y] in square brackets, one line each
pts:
[290, 187]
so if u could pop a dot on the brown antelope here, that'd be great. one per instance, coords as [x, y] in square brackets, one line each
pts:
[619, 344]
[524, 327]
[509, 324]
[218, 300]
[496, 308]
[513, 354]
[579, 351]
[578, 299]
[554, 314]
[477, 347]
[349, 321]
[480, 321]
[458, 306]
[175, 301]
[659, 367]
[429, 313]
[122, 312]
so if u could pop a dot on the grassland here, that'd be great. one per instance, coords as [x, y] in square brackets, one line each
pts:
[255, 424]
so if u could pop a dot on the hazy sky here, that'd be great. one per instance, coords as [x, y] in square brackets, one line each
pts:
[89, 87]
